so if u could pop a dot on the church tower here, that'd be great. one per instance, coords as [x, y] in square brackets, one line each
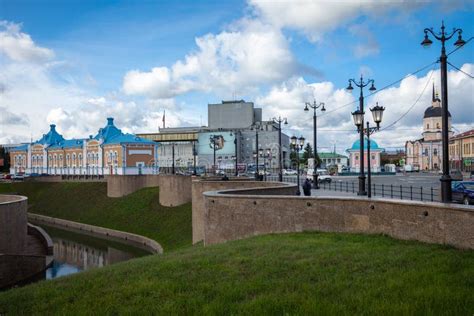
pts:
[432, 119]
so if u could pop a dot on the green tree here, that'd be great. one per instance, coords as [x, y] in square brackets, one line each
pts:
[307, 153]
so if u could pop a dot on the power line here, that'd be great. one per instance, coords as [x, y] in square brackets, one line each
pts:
[459, 47]
[469, 75]
[413, 105]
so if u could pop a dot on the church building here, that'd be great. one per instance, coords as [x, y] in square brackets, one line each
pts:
[426, 153]
[109, 152]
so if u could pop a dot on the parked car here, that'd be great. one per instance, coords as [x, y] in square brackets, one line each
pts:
[456, 175]
[7, 176]
[463, 192]
[289, 172]
[18, 177]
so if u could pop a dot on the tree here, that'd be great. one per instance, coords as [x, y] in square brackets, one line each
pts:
[6, 159]
[307, 153]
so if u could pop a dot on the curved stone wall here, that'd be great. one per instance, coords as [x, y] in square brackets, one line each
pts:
[174, 189]
[13, 224]
[235, 214]
[199, 186]
[138, 240]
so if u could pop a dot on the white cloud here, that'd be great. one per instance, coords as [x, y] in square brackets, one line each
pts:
[19, 46]
[249, 53]
[315, 17]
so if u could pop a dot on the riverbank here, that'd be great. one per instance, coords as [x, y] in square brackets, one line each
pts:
[304, 273]
[138, 213]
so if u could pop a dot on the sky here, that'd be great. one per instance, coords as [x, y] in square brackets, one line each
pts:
[74, 63]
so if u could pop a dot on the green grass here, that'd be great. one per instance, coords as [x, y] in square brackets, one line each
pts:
[306, 273]
[139, 212]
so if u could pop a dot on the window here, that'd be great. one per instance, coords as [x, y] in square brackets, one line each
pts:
[373, 157]
[437, 125]
[435, 152]
[426, 151]
[427, 126]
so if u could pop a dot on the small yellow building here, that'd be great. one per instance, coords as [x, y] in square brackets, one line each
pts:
[109, 152]
[461, 151]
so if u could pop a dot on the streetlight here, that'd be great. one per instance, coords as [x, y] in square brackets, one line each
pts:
[194, 158]
[278, 121]
[236, 152]
[265, 155]
[315, 106]
[213, 139]
[443, 37]
[297, 144]
[361, 84]
[257, 127]
[358, 117]
[172, 155]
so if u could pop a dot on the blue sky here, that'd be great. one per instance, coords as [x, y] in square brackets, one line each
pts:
[103, 54]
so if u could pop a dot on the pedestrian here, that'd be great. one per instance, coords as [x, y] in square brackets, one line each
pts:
[307, 187]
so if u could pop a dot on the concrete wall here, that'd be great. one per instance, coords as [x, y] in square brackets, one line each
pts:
[201, 186]
[13, 224]
[231, 216]
[174, 189]
[137, 240]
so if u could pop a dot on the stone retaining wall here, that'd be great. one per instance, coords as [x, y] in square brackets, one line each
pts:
[174, 189]
[198, 202]
[233, 215]
[13, 224]
[138, 240]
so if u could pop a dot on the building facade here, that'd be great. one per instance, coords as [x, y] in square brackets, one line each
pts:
[426, 153]
[354, 156]
[232, 123]
[461, 151]
[109, 152]
[333, 159]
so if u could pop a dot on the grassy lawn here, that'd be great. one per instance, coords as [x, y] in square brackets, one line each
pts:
[139, 213]
[306, 273]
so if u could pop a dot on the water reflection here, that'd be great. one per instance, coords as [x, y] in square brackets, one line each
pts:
[75, 252]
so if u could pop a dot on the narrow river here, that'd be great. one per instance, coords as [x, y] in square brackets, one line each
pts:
[76, 252]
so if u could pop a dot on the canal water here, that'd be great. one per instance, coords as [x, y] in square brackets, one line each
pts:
[76, 252]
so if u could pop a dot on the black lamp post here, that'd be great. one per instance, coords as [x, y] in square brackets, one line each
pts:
[280, 120]
[315, 106]
[213, 143]
[297, 144]
[172, 155]
[446, 193]
[236, 153]
[257, 127]
[361, 84]
[194, 158]
[358, 116]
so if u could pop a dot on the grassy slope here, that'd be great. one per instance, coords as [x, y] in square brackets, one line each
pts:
[307, 273]
[139, 213]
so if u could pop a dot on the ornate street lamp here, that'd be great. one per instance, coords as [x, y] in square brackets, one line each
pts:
[315, 106]
[278, 121]
[360, 116]
[257, 127]
[297, 145]
[446, 193]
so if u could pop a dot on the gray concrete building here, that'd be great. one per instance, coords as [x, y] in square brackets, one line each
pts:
[232, 124]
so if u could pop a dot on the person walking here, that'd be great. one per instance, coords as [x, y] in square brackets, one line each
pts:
[307, 187]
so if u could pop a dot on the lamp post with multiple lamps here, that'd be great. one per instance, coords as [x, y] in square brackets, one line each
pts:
[236, 152]
[257, 127]
[315, 106]
[297, 145]
[194, 158]
[266, 155]
[358, 116]
[278, 121]
[213, 143]
[361, 84]
[172, 156]
[443, 36]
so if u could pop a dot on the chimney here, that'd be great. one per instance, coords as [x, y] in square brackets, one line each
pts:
[53, 127]
[110, 121]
